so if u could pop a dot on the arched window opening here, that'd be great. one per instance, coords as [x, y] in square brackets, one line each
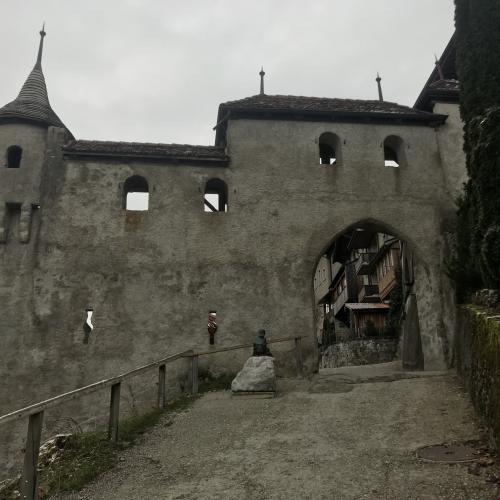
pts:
[14, 155]
[215, 197]
[327, 155]
[390, 157]
[394, 155]
[136, 193]
[329, 149]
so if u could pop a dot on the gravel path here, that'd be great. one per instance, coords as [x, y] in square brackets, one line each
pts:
[348, 433]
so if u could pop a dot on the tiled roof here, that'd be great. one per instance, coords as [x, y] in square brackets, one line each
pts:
[287, 107]
[438, 91]
[321, 105]
[436, 88]
[445, 85]
[144, 150]
[32, 103]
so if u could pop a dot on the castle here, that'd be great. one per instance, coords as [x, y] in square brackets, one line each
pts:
[237, 229]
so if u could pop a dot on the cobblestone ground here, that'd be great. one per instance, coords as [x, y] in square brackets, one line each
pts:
[348, 433]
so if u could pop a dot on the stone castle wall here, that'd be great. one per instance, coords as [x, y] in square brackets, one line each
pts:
[152, 277]
[359, 352]
[477, 351]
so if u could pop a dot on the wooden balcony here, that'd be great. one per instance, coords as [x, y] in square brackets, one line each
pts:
[386, 284]
[369, 293]
[362, 265]
[340, 302]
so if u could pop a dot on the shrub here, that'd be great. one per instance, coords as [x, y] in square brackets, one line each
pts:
[370, 329]
[475, 262]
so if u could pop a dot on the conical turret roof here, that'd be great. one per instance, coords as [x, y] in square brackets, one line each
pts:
[32, 103]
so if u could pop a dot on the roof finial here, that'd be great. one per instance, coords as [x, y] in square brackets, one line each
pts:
[439, 68]
[262, 73]
[40, 47]
[378, 80]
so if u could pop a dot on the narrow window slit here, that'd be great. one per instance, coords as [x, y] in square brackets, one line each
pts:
[212, 326]
[88, 326]
[14, 155]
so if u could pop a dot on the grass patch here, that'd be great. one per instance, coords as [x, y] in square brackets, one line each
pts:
[82, 459]
[76, 460]
[135, 426]
[181, 403]
[209, 382]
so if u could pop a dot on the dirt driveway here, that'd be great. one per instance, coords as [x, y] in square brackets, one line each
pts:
[348, 433]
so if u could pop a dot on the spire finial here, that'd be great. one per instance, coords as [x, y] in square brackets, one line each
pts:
[262, 73]
[439, 68]
[40, 47]
[379, 85]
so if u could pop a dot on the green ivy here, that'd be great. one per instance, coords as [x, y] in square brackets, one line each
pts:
[476, 259]
[370, 329]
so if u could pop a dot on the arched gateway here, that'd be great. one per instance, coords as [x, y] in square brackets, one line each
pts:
[354, 289]
[151, 277]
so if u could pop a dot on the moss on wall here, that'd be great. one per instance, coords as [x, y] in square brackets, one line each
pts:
[478, 362]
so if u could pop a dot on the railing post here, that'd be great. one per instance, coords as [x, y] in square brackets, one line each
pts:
[114, 412]
[194, 375]
[30, 482]
[162, 388]
[298, 357]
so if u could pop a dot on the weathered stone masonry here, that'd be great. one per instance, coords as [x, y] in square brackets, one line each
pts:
[152, 277]
[478, 362]
[359, 352]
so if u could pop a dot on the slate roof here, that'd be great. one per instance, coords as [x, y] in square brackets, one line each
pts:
[32, 103]
[184, 153]
[445, 85]
[441, 89]
[319, 104]
[287, 107]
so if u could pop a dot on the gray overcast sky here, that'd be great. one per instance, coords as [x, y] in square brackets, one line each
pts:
[156, 70]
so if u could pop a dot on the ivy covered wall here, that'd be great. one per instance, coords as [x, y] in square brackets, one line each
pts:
[476, 262]
[478, 362]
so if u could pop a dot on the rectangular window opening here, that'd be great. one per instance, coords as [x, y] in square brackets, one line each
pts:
[13, 216]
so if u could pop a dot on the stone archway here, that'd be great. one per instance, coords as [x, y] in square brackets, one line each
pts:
[422, 328]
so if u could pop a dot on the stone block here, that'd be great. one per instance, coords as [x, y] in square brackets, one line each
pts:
[257, 375]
